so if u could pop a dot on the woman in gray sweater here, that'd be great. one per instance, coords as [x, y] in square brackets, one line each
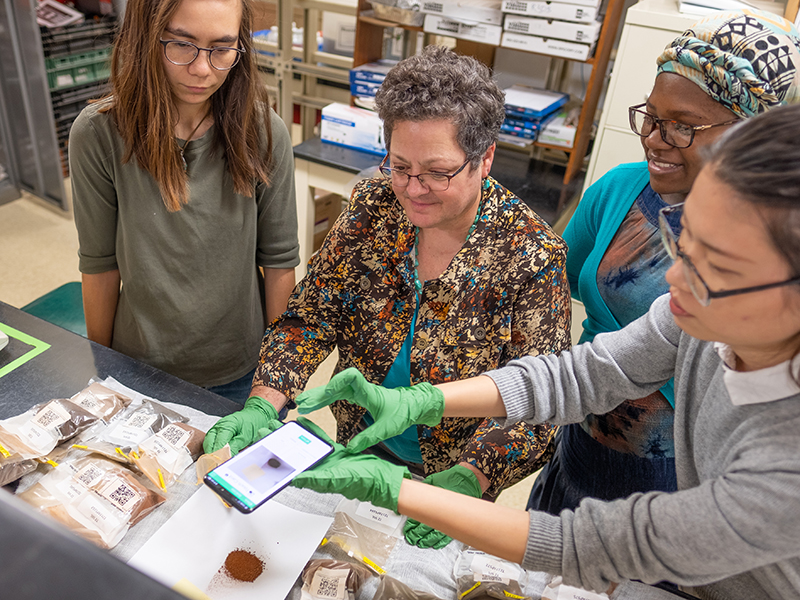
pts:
[728, 331]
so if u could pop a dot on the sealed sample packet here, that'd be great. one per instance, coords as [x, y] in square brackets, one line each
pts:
[94, 497]
[130, 428]
[481, 576]
[366, 532]
[102, 402]
[165, 455]
[36, 432]
[392, 589]
[328, 579]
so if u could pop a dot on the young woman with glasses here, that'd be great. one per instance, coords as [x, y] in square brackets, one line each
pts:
[724, 69]
[183, 191]
[434, 273]
[728, 333]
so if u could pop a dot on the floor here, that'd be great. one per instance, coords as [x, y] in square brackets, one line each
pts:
[38, 246]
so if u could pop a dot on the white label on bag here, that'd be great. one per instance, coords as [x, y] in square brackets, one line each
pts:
[135, 430]
[383, 516]
[329, 583]
[91, 403]
[98, 516]
[37, 439]
[51, 416]
[176, 436]
[89, 475]
[487, 569]
[120, 493]
[567, 592]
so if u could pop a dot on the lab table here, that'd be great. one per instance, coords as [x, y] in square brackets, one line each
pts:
[43, 361]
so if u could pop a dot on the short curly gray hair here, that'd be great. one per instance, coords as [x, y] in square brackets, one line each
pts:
[440, 84]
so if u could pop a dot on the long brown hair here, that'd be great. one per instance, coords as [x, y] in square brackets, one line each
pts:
[145, 114]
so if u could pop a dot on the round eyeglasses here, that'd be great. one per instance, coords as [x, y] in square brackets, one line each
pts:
[434, 182]
[222, 58]
[668, 221]
[674, 133]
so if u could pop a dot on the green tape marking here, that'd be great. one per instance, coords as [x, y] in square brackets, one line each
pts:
[38, 347]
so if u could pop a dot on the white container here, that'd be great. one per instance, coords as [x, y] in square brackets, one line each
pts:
[465, 30]
[338, 33]
[352, 127]
[551, 46]
[471, 10]
[551, 10]
[585, 33]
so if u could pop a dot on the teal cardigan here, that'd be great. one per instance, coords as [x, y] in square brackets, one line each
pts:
[588, 235]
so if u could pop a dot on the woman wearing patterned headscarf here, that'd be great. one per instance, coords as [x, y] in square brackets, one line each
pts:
[728, 67]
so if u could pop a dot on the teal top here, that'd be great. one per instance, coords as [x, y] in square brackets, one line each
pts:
[406, 445]
[588, 235]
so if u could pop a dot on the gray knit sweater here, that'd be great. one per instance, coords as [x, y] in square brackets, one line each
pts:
[732, 529]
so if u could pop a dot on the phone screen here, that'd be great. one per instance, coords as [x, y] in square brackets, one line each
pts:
[260, 471]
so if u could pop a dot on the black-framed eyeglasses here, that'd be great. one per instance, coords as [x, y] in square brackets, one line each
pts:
[434, 182]
[667, 218]
[222, 58]
[674, 133]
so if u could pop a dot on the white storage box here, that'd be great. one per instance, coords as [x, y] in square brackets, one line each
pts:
[551, 10]
[472, 10]
[466, 30]
[352, 127]
[585, 33]
[555, 132]
[551, 46]
[338, 33]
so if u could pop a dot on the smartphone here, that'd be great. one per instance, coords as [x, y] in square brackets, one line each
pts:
[260, 471]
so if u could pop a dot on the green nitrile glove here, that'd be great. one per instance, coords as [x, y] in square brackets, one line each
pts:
[241, 428]
[456, 479]
[355, 476]
[394, 410]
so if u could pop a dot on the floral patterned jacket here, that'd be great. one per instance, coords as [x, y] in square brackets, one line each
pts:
[504, 295]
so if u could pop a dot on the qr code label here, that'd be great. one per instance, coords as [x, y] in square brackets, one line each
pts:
[330, 584]
[120, 493]
[88, 475]
[175, 435]
[91, 403]
[141, 421]
[51, 416]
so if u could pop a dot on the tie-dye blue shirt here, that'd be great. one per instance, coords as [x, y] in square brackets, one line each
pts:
[629, 278]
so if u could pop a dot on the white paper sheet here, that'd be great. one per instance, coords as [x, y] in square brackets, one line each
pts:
[194, 543]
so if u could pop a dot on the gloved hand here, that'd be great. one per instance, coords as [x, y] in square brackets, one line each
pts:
[456, 479]
[241, 428]
[394, 410]
[359, 476]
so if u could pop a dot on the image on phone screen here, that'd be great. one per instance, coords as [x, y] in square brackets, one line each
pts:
[260, 471]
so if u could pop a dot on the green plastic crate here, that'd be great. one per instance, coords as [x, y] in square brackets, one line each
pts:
[78, 69]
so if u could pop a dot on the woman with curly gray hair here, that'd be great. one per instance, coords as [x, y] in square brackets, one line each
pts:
[434, 273]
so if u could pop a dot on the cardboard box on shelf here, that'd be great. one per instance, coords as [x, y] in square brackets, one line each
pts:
[585, 33]
[551, 10]
[352, 127]
[463, 29]
[326, 211]
[472, 10]
[553, 47]
[557, 133]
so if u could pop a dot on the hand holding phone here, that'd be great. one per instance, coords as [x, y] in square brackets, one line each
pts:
[260, 471]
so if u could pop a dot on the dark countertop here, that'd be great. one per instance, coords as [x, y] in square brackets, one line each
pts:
[71, 360]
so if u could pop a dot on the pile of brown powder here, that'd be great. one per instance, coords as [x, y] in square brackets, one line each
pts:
[242, 565]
